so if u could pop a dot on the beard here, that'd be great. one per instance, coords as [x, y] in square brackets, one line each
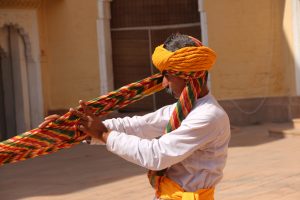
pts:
[170, 92]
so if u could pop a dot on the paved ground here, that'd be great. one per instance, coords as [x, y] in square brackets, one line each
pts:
[259, 167]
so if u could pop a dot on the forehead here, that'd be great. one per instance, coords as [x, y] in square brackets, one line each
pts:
[167, 73]
[174, 74]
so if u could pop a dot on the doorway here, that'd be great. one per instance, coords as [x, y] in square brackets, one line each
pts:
[14, 91]
[137, 27]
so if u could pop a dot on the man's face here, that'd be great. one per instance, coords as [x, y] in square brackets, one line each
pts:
[174, 85]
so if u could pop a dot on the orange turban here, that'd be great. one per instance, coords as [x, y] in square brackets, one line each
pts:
[187, 59]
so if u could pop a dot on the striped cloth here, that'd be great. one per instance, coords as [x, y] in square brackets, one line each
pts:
[183, 106]
[63, 132]
[190, 63]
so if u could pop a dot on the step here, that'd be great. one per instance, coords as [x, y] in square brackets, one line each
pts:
[284, 132]
[296, 123]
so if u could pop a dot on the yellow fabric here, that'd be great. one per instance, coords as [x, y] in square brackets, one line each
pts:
[187, 59]
[154, 89]
[169, 190]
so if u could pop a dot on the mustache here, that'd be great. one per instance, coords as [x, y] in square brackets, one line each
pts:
[169, 91]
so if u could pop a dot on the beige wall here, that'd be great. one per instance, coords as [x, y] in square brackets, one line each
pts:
[69, 52]
[253, 40]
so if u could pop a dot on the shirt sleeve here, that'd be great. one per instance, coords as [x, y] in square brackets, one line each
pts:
[148, 126]
[171, 148]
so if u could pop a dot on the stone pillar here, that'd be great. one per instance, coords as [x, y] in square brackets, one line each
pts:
[296, 31]
[204, 34]
[203, 22]
[104, 46]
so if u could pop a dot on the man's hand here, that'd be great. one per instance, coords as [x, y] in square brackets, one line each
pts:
[90, 123]
[49, 119]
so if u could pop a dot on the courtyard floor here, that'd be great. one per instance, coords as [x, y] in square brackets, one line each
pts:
[260, 167]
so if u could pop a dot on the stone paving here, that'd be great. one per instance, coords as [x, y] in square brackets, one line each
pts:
[259, 167]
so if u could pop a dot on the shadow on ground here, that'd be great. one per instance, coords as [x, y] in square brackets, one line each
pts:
[64, 172]
[257, 134]
[86, 166]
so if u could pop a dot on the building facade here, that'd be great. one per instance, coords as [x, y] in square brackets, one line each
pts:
[55, 52]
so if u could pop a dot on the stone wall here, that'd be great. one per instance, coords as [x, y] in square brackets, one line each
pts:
[261, 110]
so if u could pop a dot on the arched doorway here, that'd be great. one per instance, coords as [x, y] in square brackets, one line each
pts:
[7, 103]
[15, 105]
[137, 27]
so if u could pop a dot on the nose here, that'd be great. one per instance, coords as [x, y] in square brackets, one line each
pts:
[165, 82]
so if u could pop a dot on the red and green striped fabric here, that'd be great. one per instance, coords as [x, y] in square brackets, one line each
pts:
[63, 132]
[195, 81]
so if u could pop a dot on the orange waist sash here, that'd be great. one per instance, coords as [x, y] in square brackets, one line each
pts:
[169, 190]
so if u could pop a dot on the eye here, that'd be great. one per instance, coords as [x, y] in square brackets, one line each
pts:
[165, 74]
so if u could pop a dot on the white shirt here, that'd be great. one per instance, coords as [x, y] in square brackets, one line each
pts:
[195, 153]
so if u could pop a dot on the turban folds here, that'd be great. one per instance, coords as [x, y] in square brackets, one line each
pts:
[187, 59]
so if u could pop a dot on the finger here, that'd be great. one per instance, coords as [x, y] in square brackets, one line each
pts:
[52, 117]
[44, 124]
[82, 106]
[85, 108]
[79, 114]
[82, 128]
[83, 122]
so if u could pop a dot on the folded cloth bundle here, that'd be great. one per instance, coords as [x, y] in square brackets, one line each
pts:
[190, 63]
[63, 132]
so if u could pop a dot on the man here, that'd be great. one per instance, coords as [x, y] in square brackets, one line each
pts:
[184, 145]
